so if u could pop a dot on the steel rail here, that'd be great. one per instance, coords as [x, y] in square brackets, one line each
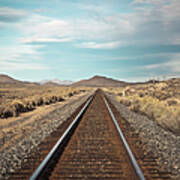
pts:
[43, 164]
[131, 156]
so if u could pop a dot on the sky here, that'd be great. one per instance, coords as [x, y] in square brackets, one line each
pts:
[131, 40]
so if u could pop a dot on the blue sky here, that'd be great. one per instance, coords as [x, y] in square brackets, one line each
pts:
[132, 40]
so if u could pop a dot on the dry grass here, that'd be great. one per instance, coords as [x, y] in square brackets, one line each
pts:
[15, 99]
[15, 128]
[160, 102]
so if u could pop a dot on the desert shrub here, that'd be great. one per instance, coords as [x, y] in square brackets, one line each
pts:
[135, 108]
[141, 94]
[50, 99]
[1, 111]
[159, 101]
[39, 101]
[125, 102]
[60, 99]
[55, 98]
[17, 107]
[11, 110]
[70, 94]
[30, 106]
[46, 100]
[76, 92]
[120, 94]
[16, 99]
[171, 102]
[8, 112]
[161, 95]
[33, 102]
[164, 97]
[166, 116]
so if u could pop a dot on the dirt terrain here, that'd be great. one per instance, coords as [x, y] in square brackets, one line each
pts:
[27, 107]
[20, 135]
[14, 125]
[159, 101]
[155, 140]
[17, 98]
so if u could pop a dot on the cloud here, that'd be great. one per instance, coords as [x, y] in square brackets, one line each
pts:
[138, 2]
[173, 65]
[60, 30]
[43, 26]
[9, 15]
[20, 52]
[44, 40]
[155, 24]
[150, 23]
[154, 2]
[94, 45]
[41, 29]
[21, 57]
[14, 66]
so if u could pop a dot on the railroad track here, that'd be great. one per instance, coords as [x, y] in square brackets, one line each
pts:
[91, 146]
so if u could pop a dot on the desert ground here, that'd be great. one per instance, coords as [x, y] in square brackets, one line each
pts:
[160, 101]
[16, 99]
[22, 105]
[29, 112]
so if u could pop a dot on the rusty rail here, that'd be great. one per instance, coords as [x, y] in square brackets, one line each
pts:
[130, 154]
[42, 166]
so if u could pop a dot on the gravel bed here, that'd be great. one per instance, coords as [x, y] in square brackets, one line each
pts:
[12, 158]
[164, 144]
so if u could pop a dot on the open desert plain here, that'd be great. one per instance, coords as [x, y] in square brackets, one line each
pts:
[31, 114]
[28, 113]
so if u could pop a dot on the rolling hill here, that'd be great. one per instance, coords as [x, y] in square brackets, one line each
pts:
[9, 80]
[100, 81]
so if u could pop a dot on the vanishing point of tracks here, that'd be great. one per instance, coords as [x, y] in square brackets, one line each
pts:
[91, 146]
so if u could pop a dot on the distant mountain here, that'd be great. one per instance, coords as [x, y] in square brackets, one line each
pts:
[56, 81]
[100, 81]
[49, 83]
[9, 80]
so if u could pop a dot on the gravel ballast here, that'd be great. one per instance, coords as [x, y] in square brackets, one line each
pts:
[12, 158]
[164, 144]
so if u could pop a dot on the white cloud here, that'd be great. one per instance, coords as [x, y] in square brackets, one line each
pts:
[41, 29]
[21, 57]
[17, 52]
[11, 15]
[43, 26]
[14, 66]
[153, 66]
[147, 25]
[154, 2]
[94, 45]
[45, 40]
[138, 2]
[173, 65]
[158, 23]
